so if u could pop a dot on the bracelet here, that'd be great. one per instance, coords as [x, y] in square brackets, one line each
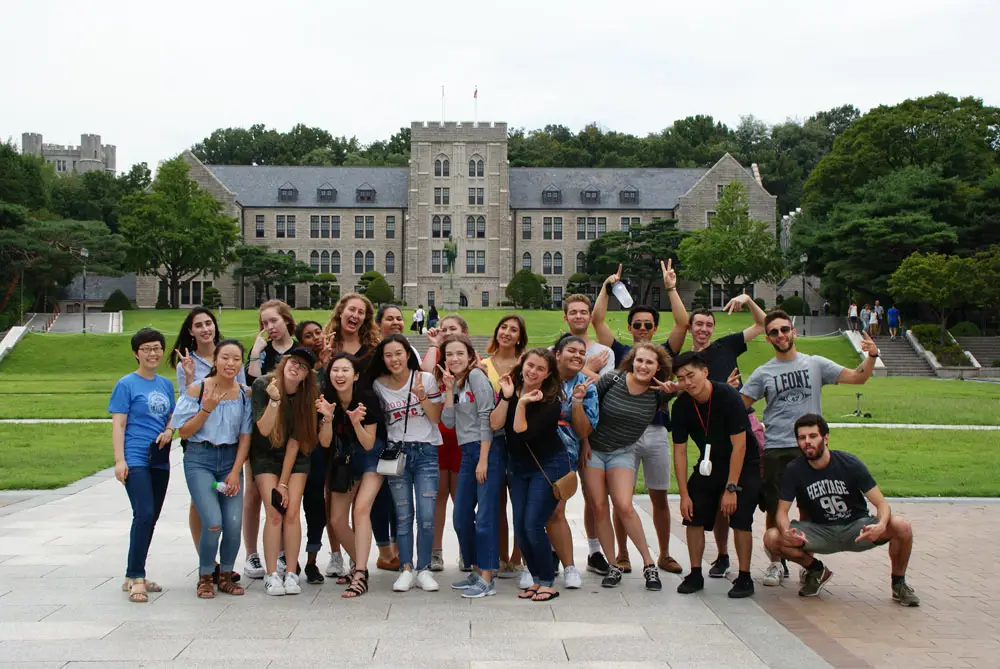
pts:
[283, 485]
[205, 410]
[504, 398]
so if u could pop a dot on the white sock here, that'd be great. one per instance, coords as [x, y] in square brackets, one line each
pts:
[594, 545]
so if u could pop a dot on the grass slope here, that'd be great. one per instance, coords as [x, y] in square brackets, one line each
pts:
[51, 456]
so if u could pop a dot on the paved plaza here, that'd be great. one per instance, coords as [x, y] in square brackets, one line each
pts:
[62, 557]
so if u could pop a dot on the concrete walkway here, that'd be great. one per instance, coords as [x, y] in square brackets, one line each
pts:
[98, 323]
[62, 557]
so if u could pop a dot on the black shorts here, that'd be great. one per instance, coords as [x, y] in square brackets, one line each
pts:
[271, 460]
[706, 495]
[776, 460]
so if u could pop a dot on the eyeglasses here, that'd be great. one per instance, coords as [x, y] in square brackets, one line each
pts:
[773, 332]
[301, 366]
[150, 349]
[643, 325]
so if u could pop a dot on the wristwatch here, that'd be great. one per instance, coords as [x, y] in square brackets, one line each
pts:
[274, 403]
[732, 487]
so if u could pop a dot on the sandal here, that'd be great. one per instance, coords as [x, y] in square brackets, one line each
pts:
[151, 586]
[387, 565]
[545, 596]
[624, 564]
[358, 586]
[227, 585]
[528, 593]
[137, 591]
[205, 589]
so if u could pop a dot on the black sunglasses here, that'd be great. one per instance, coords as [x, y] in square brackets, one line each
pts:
[643, 325]
[773, 332]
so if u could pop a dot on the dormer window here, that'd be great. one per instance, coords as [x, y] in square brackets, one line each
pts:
[628, 195]
[326, 193]
[551, 195]
[590, 196]
[365, 193]
[288, 193]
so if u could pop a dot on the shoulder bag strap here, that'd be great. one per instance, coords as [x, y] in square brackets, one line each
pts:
[406, 416]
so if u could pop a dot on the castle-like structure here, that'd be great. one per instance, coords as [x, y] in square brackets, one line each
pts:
[89, 156]
[396, 220]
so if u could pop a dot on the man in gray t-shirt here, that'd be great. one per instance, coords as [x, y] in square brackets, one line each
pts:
[791, 383]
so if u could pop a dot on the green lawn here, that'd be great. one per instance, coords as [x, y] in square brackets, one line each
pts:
[51, 456]
[917, 463]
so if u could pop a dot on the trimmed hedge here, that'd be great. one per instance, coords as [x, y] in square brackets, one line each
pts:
[949, 355]
[117, 302]
[966, 329]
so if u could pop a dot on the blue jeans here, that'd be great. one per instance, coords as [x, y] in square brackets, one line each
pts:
[419, 480]
[477, 506]
[146, 488]
[383, 516]
[221, 515]
[533, 503]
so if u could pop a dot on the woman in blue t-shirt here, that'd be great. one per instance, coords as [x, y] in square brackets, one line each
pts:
[140, 407]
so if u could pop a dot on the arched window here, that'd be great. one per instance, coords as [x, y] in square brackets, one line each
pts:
[369, 261]
[581, 262]
[314, 260]
[479, 168]
[526, 261]
[446, 168]
[481, 227]
[557, 263]
[472, 168]
[324, 262]
[546, 263]
[390, 262]
[335, 262]
[446, 227]
[470, 227]
[437, 167]
[359, 262]
[436, 226]
[292, 254]
[463, 301]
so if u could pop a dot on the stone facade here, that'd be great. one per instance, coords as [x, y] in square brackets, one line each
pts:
[90, 155]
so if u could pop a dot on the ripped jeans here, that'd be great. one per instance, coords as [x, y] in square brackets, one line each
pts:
[221, 515]
[419, 479]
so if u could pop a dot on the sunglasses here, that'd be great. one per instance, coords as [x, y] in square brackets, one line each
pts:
[643, 325]
[773, 332]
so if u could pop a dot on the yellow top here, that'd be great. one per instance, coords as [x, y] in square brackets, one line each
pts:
[492, 373]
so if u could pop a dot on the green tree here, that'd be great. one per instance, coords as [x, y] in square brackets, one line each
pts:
[117, 301]
[639, 251]
[379, 291]
[942, 283]
[735, 250]
[23, 179]
[579, 283]
[263, 269]
[366, 279]
[136, 179]
[527, 290]
[177, 231]
[211, 298]
[324, 291]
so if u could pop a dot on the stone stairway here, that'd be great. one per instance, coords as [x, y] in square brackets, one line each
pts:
[900, 359]
[986, 349]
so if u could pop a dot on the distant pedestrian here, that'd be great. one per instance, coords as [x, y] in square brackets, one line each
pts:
[866, 316]
[418, 320]
[852, 316]
[894, 321]
[880, 312]
[873, 323]
[432, 317]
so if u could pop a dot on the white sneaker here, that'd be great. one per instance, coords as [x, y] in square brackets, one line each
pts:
[282, 563]
[571, 576]
[292, 586]
[274, 585]
[335, 567]
[254, 568]
[773, 574]
[404, 582]
[426, 582]
[526, 580]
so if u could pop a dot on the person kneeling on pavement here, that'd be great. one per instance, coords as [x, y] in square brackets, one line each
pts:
[832, 486]
[727, 473]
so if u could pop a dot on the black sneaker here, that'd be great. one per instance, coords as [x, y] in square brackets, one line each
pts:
[597, 564]
[314, 575]
[652, 576]
[815, 581]
[691, 583]
[742, 587]
[784, 568]
[720, 568]
[614, 577]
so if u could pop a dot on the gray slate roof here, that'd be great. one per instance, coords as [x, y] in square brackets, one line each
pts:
[99, 287]
[659, 188]
[257, 185]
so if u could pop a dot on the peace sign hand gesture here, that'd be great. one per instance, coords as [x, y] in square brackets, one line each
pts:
[418, 387]
[868, 345]
[187, 364]
[358, 415]
[506, 386]
[580, 390]
[668, 387]
[737, 303]
[669, 275]
[734, 378]
[448, 378]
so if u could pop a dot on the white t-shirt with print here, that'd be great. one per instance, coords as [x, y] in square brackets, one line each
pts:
[397, 403]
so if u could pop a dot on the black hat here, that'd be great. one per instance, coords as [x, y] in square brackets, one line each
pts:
[304, 353]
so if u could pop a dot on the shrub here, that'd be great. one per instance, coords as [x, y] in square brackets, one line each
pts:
[761, 303]
[794, 305]
[700, 300]
[996, 363]
[965, 329]
[117, 302]
[211, 298]
[379, 291]
[949, 354]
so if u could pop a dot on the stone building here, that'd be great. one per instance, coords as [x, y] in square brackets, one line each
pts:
[89, 156]
[348, 220]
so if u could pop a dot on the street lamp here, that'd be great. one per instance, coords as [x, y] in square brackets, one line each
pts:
[803, 259]
[84, 254]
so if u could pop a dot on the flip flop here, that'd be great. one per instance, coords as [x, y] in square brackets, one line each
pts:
[544, 596]
[528, 593]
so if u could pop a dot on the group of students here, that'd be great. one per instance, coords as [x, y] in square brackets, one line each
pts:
[871, 318]
[348, 421]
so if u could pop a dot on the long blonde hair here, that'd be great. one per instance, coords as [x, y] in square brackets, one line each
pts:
[368, 333]
[303, 408]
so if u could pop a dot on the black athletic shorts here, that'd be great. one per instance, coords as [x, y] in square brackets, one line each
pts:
[706, 495]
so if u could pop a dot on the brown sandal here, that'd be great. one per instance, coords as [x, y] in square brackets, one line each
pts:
[151, 586]
[227, 585]
[136, 595]
[205, 588]
[358, 586]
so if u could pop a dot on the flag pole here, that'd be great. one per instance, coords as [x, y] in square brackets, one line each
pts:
[475, 107]
[442, 105]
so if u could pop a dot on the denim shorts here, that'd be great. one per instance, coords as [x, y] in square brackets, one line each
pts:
[366, 462]
[624, 458]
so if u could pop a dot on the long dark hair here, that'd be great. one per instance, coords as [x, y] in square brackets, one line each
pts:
[522, 339]
[302, 404]
[328, 391]
[376, 365]
[226, 342]
[551, 386]
[186, 341]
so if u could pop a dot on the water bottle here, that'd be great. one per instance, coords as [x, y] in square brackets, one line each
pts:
[620, 291]
[220, 487]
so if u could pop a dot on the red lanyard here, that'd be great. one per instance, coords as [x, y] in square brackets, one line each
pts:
[704, 423]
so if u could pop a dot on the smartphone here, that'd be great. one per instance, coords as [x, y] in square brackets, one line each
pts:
[157, 455]
[276, 501]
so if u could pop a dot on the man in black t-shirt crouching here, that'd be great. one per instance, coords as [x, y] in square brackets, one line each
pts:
[832, 486]
[727, 475]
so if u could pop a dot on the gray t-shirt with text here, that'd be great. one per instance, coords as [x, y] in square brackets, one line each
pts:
[792, 389]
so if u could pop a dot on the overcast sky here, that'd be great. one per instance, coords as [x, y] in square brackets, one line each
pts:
[154, 78]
